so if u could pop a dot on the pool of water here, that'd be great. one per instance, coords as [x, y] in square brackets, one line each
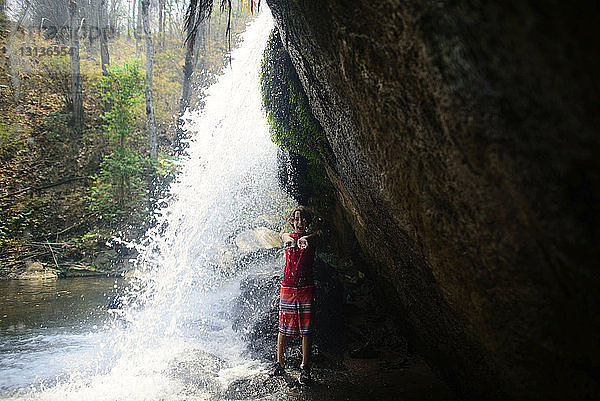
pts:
[58, 340]
[49, 326]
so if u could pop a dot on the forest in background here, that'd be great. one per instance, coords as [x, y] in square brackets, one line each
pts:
[88, 139]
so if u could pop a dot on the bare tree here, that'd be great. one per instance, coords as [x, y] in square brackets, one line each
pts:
[195, 41]
[152, 135]
[138, 29]
[161, 23]
[14, 75]
[90, 14]
[2, 15]
[52, 17]
[103, 28]
[76, 91]
[129, 17]
[131, 22]
[112, 16]
[196, 13]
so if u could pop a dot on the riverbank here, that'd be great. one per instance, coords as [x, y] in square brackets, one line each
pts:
[40, 271]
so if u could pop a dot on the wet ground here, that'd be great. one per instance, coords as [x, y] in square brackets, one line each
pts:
[360, 380]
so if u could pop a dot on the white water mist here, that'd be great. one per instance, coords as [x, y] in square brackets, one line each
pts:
[174, 340]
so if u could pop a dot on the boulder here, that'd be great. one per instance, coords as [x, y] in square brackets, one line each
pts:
[256, 316]
[36, 271]
[465, 155]
[256, 239]
[256, 387]
[256, 313]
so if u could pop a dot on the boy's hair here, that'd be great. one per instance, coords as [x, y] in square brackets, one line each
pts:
[305, 213]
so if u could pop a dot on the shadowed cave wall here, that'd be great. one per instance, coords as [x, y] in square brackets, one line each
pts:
[464, 142]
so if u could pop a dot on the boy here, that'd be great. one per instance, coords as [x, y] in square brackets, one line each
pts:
[296, 295]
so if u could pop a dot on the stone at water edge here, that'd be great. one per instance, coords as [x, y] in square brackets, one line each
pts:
[36, 271]
[84, 271]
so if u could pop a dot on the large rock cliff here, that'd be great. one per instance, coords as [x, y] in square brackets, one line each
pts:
[464, 143]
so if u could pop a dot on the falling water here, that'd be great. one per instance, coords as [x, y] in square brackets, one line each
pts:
[174, 339]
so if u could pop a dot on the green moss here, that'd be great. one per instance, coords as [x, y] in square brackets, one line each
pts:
[293, 126]
[292, 123]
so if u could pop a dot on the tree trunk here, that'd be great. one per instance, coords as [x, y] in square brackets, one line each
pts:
[133, 15]
[12, 56]
[184, 102]
[201, 49]
[2, 15]
[90, 14]
[103, 27]
[169, 18]
[152, 135]
[138, 29]
[188, 70]
[130, 19]
[112, 18]
[76, 92]
[161, 23]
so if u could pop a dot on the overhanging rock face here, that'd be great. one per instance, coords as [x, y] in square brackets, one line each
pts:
[465, 143]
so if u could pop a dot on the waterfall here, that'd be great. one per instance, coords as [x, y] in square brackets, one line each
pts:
[174, 339]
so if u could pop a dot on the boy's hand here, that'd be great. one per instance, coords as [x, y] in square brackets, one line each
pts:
[302, 243]
[289, 243]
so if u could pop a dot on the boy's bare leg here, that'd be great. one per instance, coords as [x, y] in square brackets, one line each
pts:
[306, 344]
[281, 344]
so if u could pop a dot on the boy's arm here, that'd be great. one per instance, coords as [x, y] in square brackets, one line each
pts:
[288, 241]
[310, 236]
[303, 241]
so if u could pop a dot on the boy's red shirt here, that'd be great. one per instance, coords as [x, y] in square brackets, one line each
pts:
[298, 264]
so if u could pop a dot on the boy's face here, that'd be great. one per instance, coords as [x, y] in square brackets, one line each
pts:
[299, 222]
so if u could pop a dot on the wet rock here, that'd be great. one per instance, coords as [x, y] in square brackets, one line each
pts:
[329, 303]
[250, 388]
[228, 257]
[465, 155]
[365, 351]
[35, 271]
[85, 271]
[257, 313]
[197, 370]
[258, 309]
[257, 239]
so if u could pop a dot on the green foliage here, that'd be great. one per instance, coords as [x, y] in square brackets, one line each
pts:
[57, 126]
[293, 126]
[89, 241]
[25, 221]
[166, 167]
[12, 139]
[120, 187]
[122, 89]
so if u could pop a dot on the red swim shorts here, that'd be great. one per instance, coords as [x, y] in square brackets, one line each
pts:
[295, 310]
